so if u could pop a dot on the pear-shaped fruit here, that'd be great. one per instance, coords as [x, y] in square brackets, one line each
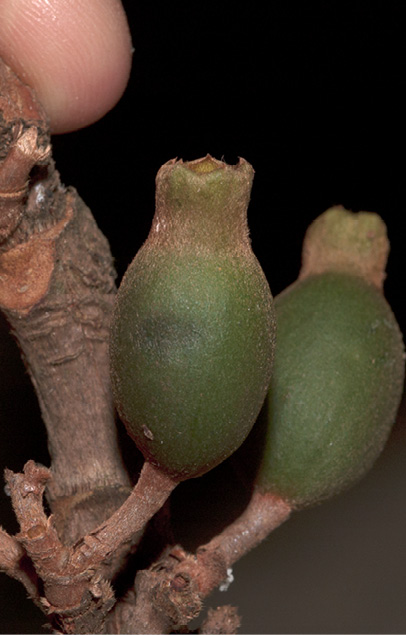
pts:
[339, 364]
[192, 335]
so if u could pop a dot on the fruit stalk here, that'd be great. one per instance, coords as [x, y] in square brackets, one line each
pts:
[147, 497]
[263, 514]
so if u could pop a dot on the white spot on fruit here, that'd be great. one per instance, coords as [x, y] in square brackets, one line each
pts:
[148, 433]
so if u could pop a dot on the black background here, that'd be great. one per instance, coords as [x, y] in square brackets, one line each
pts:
[311, 94]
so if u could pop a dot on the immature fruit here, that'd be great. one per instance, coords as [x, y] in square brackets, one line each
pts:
[339, 364]
[193, 329]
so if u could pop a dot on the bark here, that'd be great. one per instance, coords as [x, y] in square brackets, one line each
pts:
[57, 290]
[13, 562]
[77, 595]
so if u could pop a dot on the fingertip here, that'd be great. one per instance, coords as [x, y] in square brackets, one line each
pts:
[76, 54]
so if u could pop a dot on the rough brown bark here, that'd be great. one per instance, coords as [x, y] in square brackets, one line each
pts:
[56, 291]
[73, 577]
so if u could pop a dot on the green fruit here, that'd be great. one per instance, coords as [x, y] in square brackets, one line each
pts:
[336, 385]
[192, 336]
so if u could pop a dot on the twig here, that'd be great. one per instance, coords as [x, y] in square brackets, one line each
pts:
[72, 576]
[56, 291]
[14, 562]
[172, 591]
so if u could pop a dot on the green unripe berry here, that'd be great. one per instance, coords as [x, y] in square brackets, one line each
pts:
[338, 370]
[193, 329]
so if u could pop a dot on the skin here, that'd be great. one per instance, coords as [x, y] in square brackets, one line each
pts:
[76, 54]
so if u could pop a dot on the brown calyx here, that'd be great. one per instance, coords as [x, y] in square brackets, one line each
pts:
[340, 240]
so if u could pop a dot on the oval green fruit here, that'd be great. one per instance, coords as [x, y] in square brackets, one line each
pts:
[335, 390]
[192, 336]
